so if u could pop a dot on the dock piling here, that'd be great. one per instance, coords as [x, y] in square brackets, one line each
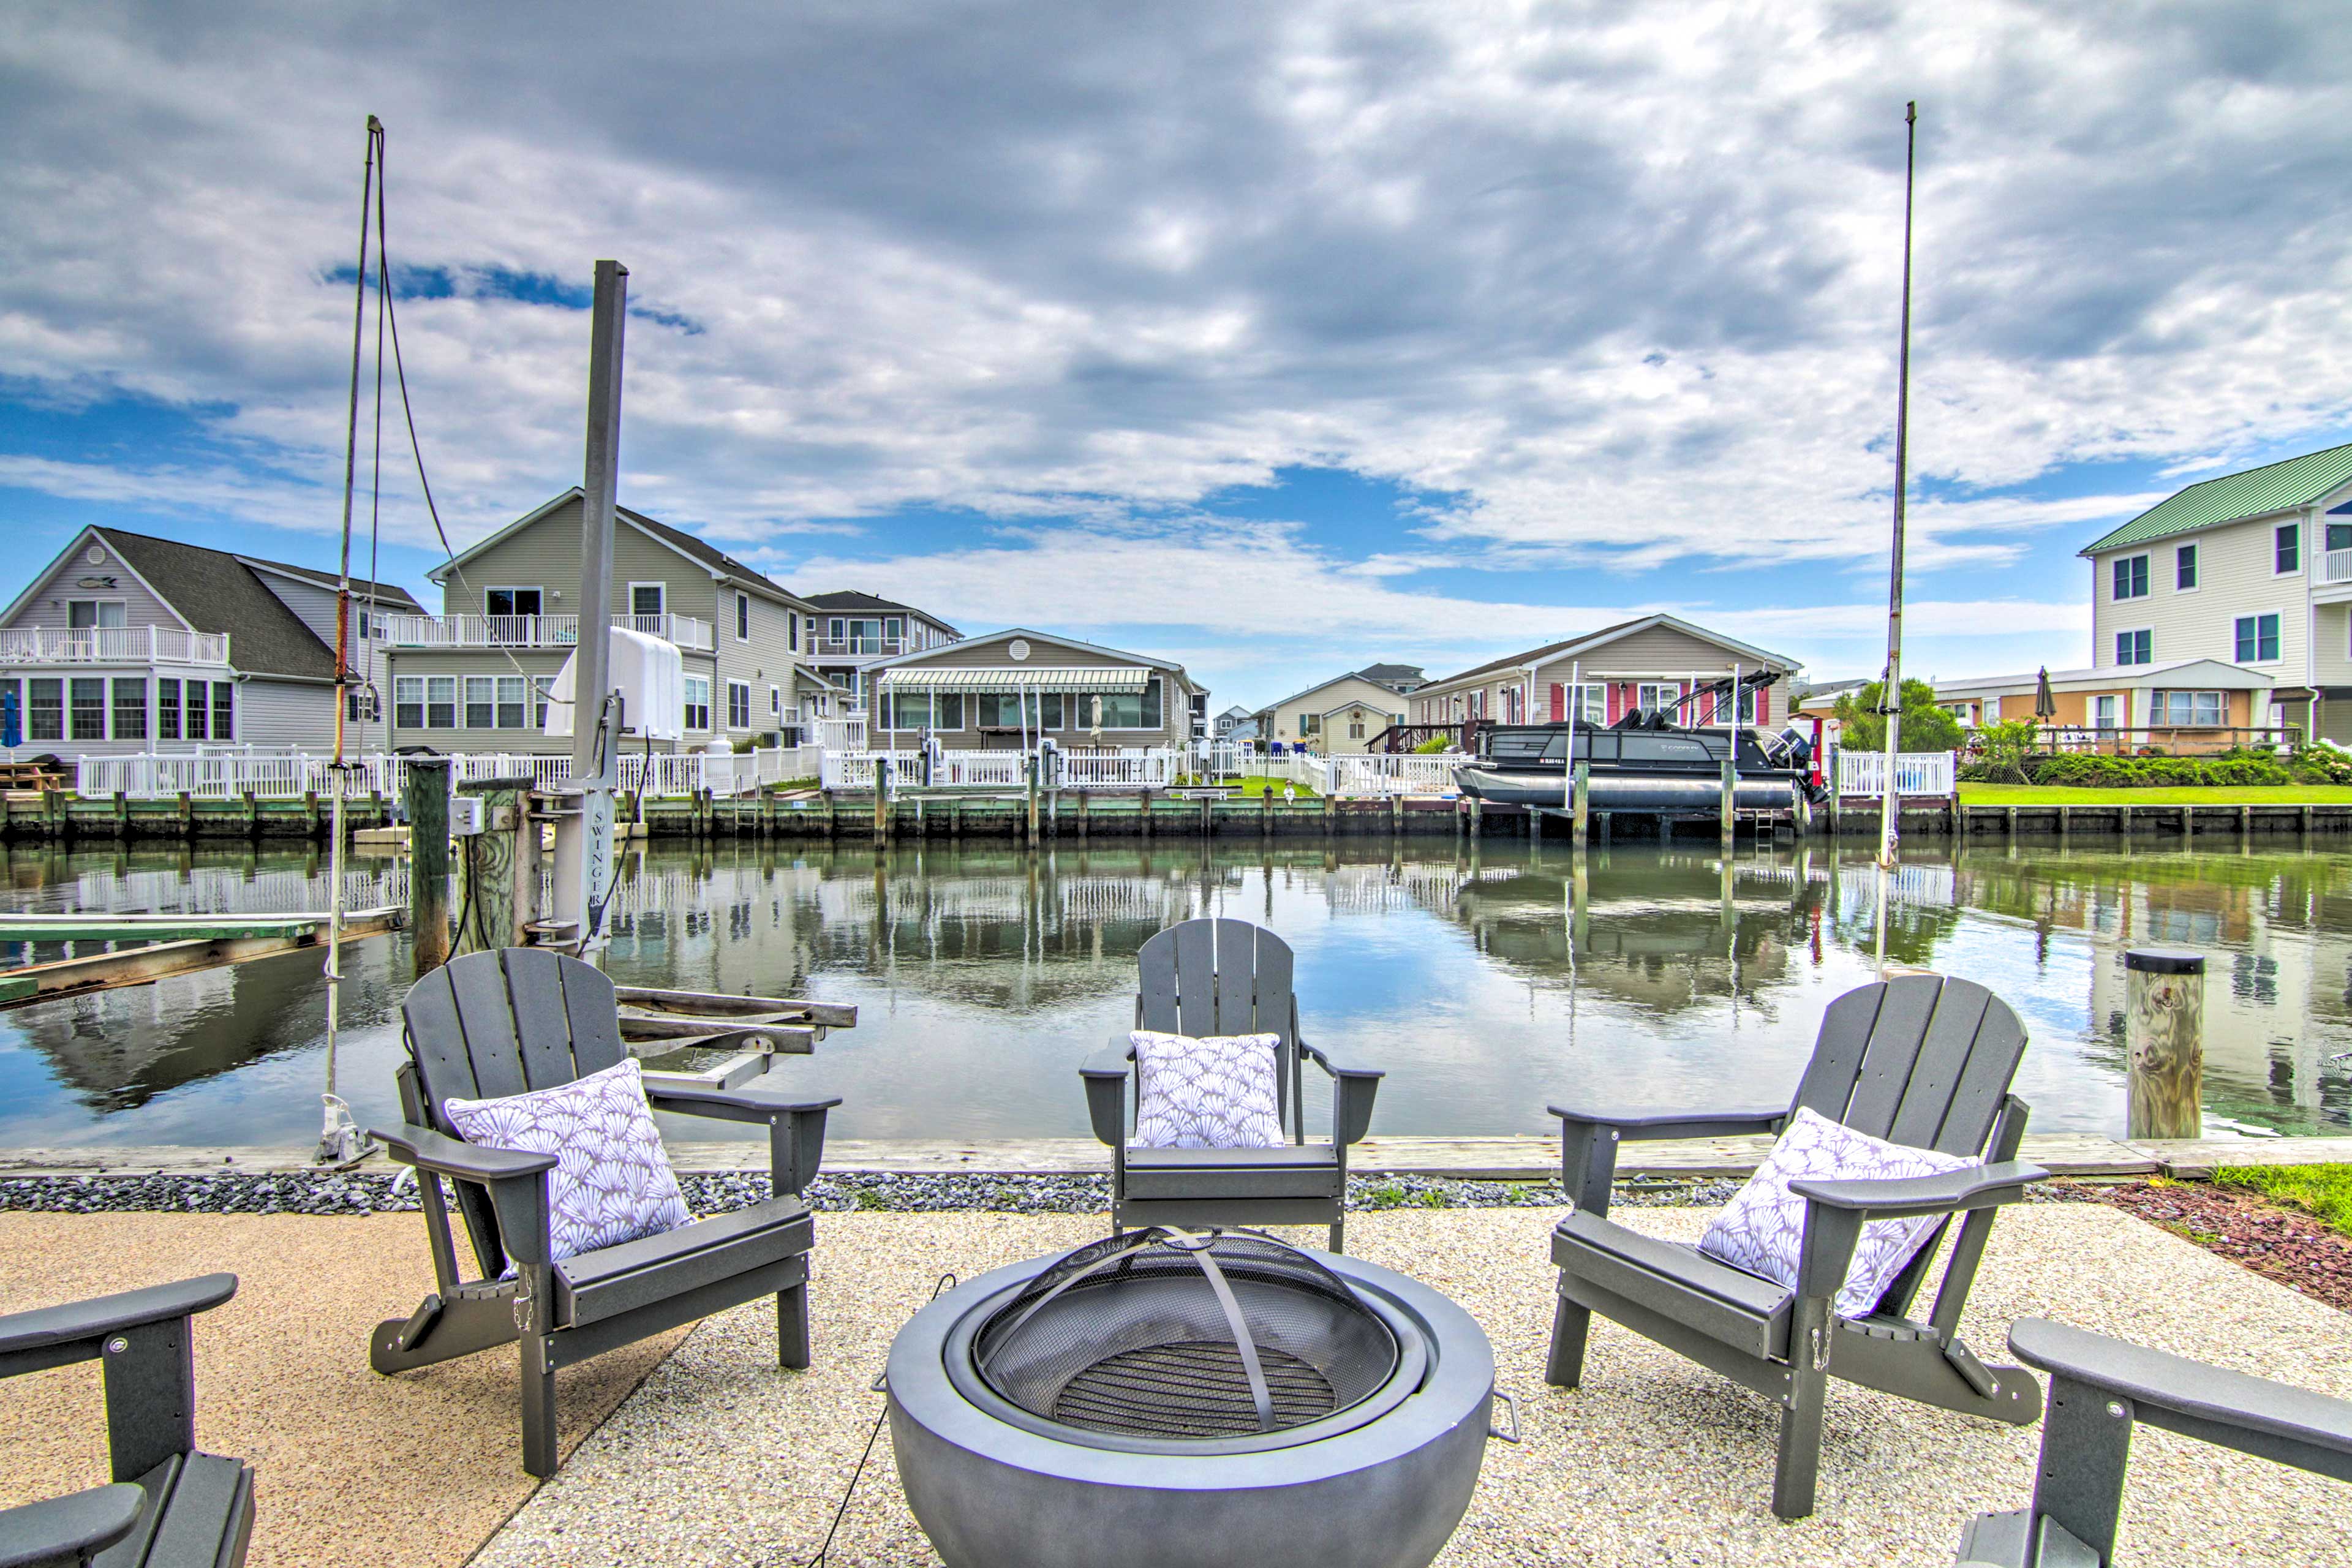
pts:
[427, 801]
[2164, 1040]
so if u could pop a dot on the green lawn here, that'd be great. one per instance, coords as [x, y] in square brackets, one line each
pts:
[2179, 795]
[2324, 1191]
[1255, 787]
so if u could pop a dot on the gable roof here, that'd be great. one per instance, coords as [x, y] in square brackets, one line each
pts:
[1607, 634]
[215, 591]
[2233, 497]
[964, 647]
[383, 592]
[1321, 686]
[851, 599]
[1390, 672]
[690, 546]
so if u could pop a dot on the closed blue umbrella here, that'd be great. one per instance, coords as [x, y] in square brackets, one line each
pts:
[11, 732]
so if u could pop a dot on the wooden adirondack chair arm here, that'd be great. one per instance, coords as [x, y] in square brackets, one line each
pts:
[1645, 1126]
[83, 1326]
[444, 1155]
[1949, 1192]
[1339, 1063]
[1106, 1078]
[732, 1104]
[2253, 1414]
[71, 1528]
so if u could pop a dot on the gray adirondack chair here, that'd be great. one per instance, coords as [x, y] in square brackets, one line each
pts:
[1228, 978]
[168, 1503]
[1919, 1059]
[500, 1022]
[2099, 1390]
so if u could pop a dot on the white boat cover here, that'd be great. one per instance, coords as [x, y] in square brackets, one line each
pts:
[650, 675]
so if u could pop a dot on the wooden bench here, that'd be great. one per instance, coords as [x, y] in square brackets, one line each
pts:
[169, 1504]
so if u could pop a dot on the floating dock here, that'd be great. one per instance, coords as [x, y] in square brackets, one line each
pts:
[165, 946]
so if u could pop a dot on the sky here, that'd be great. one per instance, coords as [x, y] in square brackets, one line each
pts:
[1277, 339]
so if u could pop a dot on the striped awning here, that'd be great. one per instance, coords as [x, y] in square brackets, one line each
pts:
[1018, 677]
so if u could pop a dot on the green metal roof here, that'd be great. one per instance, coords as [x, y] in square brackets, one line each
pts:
[2274, 487]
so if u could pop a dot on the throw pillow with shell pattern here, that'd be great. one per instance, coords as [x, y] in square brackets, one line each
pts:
[1763, 1228]
[1215, 1091]
[612, 1181]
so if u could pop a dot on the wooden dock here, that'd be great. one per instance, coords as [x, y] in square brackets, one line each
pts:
[1513, 1159]
[168, 945]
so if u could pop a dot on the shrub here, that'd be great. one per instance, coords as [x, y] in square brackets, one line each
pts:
[1431, 746]
[2145, 772]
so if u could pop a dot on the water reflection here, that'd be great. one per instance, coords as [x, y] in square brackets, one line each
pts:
[1487, 981]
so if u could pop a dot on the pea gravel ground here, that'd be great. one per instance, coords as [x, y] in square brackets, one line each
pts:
[720, 1458]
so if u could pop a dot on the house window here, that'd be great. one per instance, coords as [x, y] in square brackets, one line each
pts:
[88, 713]
[440, 702]
[167, 709]
[738, 704]
[510, 601]
[408, 703]
[1309, 724]
[2184, 568]
[86, 615]
[2131, 577]
[793, 631]
[1659, 695]
[224, 710]
[697, 702]
[540, 685]
[198, 716]
[894, 630]
[1356, 724]
[2132, 647]
[2102, 713]
[2257, 639]
[510, 700]
[943, 710]
[481, 702]
[360, 705]
[45, 712]
[775, 703]
[647, 598]
[2183, 709]
[130, 709]
[2287, 548]
[2339, 537]
[742, 617]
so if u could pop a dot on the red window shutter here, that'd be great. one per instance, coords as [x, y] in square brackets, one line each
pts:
[1559, 702]
[1616, 701]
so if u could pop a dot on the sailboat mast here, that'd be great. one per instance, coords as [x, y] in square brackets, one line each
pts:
[1890, 700]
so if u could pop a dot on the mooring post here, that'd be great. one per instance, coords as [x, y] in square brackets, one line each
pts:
[881, 801]
[1030, 767]
[2164, 1041]
[426, 796]
[1084, 796]
[122, 815]
[1731, 803]
[188, 816]
[1580, 805]
[1147, 815]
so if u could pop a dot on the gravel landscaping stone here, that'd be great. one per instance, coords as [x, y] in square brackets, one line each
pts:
[381, 1192]
[2298, 1251]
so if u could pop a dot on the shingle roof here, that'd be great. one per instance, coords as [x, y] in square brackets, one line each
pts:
[851, 599]
[2232, 498]
[1390, 672]
[1607, 634]
[707, 553]
[383, 592]
[217, 593]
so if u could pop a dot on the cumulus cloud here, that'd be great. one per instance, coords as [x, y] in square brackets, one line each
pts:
[1619, 283]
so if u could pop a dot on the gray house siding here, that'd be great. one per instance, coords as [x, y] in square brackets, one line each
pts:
[1176, 691]
[295, 713]
[45, 610]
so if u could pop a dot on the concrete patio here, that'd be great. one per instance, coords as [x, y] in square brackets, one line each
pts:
[699, 1450]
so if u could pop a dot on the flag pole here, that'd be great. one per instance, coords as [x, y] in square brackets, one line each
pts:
[1890, 697]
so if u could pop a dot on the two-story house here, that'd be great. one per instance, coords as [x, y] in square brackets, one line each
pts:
[2253, 570]
[848, 633]
[126, 643]
[1655, 662]
[474, 678]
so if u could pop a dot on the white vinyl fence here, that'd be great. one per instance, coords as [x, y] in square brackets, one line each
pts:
[150, 776]
[1147, 769]
[1154, 768]
[1915, 772]
[1384, 775]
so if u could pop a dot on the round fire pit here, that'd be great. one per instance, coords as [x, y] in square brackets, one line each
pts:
[1193, 1398]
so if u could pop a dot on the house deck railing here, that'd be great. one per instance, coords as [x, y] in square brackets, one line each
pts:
[112, 644]
[1915, 773]
[2335, 567]
[293, 775]
[466, 631]
[862, 648]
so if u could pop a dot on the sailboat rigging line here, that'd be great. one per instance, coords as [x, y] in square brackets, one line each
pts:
[408, 412]
[1890, 696]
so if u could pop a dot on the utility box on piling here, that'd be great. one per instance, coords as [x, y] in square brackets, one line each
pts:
[2164, 1040]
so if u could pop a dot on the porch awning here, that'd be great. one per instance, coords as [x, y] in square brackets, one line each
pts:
[1019, 678]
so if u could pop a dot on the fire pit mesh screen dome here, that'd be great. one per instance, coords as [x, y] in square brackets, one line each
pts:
[1205, 1334]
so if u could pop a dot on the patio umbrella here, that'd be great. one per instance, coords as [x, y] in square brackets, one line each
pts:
[11, 730]
[2044, 705]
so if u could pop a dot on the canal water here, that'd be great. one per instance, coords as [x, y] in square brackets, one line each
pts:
[1487, 983]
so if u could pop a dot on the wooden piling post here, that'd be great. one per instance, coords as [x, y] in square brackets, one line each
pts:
[1264, 811]
[1477, 818]
[1730, 824]
[1084, 797]
[1147, 815]
[121, 816]
[1580, 805]
[881, 801]
[188, 816]
[1030, 767]
[426, 796]
[2164, 1040]
[497, 898]
[2066, 823]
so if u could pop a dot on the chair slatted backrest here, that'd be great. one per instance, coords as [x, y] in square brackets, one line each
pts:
[1221, 977]
[501, 1023]
[1921, 1060]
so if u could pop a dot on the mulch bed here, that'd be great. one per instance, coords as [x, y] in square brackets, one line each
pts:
[2293, 1248]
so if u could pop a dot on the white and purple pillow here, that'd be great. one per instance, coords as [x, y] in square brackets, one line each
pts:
[1215, 1091]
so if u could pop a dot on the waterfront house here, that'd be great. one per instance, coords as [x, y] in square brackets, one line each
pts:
[1003, 691]
[1340, 716]
[474, 678]
[2253, 570]
[1235, 724]
[1652, 662]
[848, 633]
[127, 643]
[2188, 705]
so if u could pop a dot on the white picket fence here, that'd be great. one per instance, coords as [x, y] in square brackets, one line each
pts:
[1152, 768]
[1915, 772]
[1385, 775]
[150, 776]
[1155, 768]
[855, 770]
